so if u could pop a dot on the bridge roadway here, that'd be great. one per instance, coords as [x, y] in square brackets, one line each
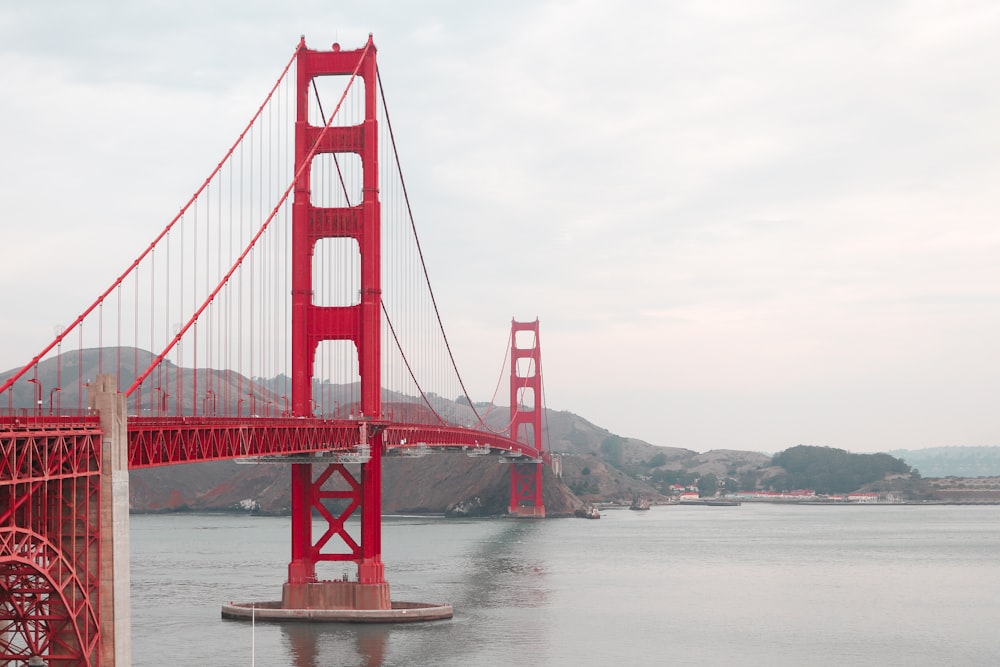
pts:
[157, 441]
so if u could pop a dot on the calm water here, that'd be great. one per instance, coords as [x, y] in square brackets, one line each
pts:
[750, 585]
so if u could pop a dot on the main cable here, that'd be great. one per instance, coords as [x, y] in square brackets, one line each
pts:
[420, 252]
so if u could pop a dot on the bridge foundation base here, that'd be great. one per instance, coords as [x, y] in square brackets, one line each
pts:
[527, 512]
[399, 612]
[336, 595]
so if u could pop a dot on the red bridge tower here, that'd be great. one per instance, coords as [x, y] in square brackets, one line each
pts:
[526, 418]
[359, 323]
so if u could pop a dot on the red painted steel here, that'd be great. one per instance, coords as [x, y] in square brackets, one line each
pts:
[167, 440]
[155, 441]
[50, 466]
[526, 489]
[312, 324]
[404, 437]
[49, 551]
[526, 419]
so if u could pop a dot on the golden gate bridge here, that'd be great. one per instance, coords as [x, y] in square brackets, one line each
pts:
[285, 314]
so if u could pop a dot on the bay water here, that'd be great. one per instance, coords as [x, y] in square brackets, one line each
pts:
[757, 584]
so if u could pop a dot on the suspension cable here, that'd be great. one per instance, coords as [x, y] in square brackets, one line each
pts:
[503, 365]
[409, 368]
[420, 252]
[166, 230]
[252, 242]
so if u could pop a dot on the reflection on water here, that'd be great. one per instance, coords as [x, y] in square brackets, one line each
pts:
[365, 644]
[371, 645]
[501, 573]
[303, 644]
[781, 585]
[493, 573]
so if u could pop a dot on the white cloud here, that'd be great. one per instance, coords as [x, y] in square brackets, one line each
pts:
[740, 224]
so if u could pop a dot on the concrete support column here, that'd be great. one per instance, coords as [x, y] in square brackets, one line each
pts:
[115, 607]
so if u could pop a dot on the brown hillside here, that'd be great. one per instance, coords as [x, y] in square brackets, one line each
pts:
[431, 484]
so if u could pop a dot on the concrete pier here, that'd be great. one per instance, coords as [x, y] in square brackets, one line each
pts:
[400, 612]
[336, 595]
[116, 611]
[337, 601]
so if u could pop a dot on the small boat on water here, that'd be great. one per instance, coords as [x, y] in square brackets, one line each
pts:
[587, 512]
[639, 503]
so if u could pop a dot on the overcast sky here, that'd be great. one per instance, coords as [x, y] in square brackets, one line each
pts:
[742, 224]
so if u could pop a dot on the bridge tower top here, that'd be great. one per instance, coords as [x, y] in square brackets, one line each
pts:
[526, 384]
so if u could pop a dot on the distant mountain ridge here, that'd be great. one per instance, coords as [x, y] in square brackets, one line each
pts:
[956, 461]
[597, 466]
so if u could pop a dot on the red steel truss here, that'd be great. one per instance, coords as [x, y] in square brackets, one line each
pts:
[155, 441]
[49, 542]
[402, 437]
[167, 440]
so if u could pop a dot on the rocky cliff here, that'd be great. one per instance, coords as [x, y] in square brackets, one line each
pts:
[433, 484]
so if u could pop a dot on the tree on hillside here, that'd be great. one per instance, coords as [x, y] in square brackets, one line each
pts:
[708, 485]
[657, 460]
[829, 470]
[613, 450]
[668, 477]
[748, 480]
